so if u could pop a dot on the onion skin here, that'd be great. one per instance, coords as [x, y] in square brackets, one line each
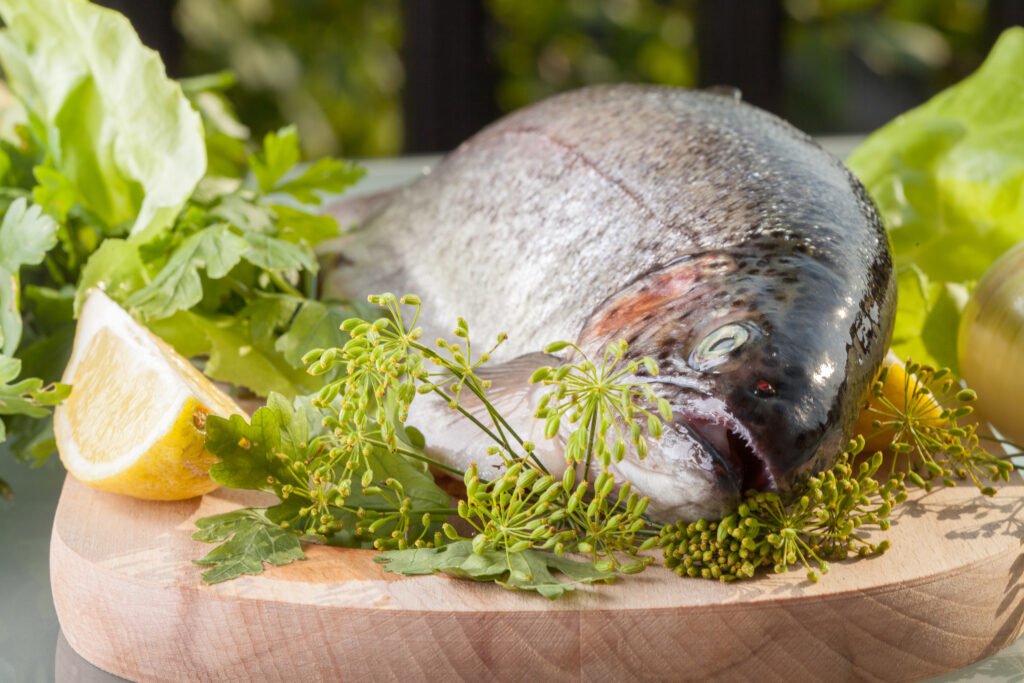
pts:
[990, 344]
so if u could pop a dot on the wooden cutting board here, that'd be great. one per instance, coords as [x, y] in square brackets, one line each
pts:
[130, 601]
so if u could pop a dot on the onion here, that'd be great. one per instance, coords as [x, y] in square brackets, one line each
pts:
[991, 344]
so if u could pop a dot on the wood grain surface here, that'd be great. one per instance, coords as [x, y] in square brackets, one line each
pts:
[129, 600]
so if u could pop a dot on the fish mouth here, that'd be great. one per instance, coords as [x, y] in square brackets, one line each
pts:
[737, 458]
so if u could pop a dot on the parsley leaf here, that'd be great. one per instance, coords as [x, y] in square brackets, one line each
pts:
[250, 452]
[299, 226]
[26, 234]
[531, 570]
[233, 354]
[271, 253]
[178, 285]
[27, 397]
[326, 175]
[280, 152]
[248, 540]
[115, 267]
[316, 326]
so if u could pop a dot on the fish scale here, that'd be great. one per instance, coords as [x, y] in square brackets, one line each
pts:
[666, 217]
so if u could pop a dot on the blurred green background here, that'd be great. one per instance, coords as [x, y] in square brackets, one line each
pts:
[335, 67]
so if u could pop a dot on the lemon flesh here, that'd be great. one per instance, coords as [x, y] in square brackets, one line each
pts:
[135, 420]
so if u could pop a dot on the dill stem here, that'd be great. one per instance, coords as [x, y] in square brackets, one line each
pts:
[422, 458]
[590, 444]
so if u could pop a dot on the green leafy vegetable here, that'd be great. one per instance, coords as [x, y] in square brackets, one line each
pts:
[104, 183]
[123, 137]
[178, 286]
[947, 179]
[234, 352]
[280, 153]
[28, 396]
[247, 541]
[256, 453]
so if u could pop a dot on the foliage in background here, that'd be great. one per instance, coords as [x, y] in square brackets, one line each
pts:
[548, 47]
[330, 67]
[334, 68]
[851, 65]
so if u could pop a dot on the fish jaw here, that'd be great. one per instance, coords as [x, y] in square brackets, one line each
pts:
[704, 462]
[682, 477]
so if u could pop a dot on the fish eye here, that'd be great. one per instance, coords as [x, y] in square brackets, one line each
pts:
[719, 345]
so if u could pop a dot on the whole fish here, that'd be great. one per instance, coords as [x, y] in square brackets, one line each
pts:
[709, 234]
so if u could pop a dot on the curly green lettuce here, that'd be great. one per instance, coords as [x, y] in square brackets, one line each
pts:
[948, 178]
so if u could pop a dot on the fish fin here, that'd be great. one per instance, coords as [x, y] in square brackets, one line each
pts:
[454, 440]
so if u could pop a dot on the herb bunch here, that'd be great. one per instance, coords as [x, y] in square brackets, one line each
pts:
[362, 477]
[832, 517]
[525, 509]
[289, 450]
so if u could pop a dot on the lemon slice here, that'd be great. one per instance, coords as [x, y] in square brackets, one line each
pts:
[135, 420]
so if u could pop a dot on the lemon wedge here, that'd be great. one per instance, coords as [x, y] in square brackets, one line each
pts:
[135, 420]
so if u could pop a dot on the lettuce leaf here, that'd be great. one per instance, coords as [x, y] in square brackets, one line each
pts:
[121, 133]
[948, 178]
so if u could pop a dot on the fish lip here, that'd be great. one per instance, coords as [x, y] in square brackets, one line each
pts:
[744, 463]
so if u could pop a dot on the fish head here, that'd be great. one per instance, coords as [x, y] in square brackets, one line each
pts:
[764, 364]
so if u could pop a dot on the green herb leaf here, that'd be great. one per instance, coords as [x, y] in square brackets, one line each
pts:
[28, 397]
[280, 152]
[277, 435]
[178, 286]
[298, 226]
[248, 541]
[316, 326]
[271, 253]
[116, 267]
[326, 175]
[26, 234]
[234, 355]
[531, 570]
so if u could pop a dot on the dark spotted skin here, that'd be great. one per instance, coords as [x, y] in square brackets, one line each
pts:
[657, 215]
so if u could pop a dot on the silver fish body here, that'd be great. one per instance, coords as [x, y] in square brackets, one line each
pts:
[709, 234]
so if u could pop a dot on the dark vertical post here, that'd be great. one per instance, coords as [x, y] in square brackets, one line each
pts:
[449, 73]
[1002, 14]
[153, 21]
[739, 44]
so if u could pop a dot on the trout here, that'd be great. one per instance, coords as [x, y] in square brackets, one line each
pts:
[708, 234]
